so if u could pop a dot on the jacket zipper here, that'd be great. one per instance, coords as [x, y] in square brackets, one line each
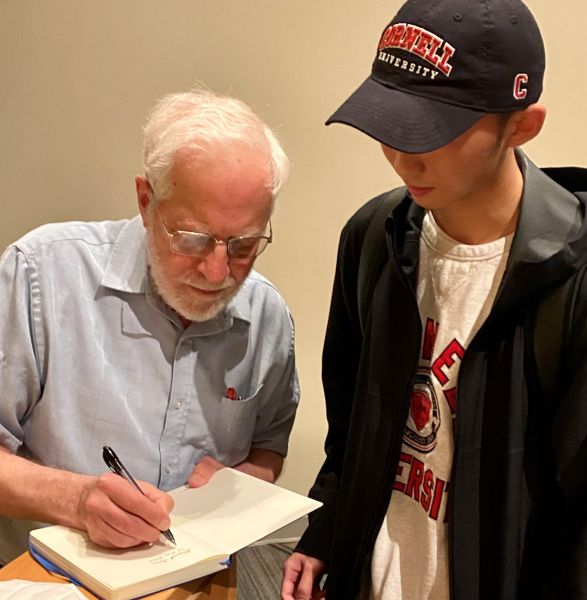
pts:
[372, 530]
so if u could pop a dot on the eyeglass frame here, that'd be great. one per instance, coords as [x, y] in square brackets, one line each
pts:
[227, 243]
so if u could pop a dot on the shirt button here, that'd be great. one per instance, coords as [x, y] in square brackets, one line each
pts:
[178, 403]
[168, 469]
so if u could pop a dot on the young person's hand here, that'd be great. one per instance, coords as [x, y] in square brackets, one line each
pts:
[301, 578]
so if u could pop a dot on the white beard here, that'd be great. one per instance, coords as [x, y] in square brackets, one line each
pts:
[183, 299]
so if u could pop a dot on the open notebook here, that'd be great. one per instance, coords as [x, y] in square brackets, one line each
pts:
[209, 524]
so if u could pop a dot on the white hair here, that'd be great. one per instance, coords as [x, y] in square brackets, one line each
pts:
[201, 121]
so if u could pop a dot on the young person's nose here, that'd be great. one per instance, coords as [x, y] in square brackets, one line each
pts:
[407, 166]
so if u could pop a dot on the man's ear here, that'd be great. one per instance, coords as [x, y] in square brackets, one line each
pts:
[525, 125]
[144, 194]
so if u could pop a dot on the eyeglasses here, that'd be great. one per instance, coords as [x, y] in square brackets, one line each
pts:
[199, 245]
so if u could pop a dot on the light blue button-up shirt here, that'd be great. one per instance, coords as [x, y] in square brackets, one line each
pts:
[90, 356]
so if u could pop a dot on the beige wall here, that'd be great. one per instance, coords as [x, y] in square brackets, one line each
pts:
[78, 77]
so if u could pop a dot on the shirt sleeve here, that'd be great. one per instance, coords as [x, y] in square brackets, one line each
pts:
[20, 359]
[281, 394]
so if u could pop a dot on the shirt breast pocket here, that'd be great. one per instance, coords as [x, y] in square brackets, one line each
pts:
[235, 424]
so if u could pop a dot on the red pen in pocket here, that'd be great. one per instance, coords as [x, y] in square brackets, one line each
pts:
[231, 393]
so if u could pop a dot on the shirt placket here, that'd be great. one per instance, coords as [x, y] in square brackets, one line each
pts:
[182, 403]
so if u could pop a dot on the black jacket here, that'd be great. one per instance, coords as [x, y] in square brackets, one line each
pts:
[518, 498]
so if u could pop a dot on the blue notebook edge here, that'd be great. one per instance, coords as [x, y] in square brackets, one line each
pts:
[53, 568]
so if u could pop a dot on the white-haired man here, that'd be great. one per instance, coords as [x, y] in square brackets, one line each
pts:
[151, 335]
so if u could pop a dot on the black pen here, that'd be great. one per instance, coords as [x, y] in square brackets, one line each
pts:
[117, 467]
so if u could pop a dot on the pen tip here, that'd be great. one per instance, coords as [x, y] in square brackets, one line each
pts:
[170, 537]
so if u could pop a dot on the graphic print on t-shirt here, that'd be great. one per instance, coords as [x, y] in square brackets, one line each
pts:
[433, 404]
[424, 418]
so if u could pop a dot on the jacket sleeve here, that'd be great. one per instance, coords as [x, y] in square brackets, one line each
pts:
[340, 361]
[566, 575]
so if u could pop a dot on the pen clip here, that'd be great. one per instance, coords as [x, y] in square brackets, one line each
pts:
[114, 464]
[111, 460]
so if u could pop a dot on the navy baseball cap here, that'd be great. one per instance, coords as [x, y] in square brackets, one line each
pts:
[440, 66]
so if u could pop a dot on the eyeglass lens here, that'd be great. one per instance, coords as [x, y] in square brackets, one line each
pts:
[200, 244]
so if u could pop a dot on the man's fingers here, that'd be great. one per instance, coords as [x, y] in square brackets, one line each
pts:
[157, 496]
[203, 471]
[104, 534]
[151, 505]
[115, 502]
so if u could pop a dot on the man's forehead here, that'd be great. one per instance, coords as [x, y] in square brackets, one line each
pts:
[204, 217]
[229, 156]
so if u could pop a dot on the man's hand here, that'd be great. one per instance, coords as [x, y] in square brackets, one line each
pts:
[113, 513]
[202, 472]
[260, 463]
[263, 464]
[116, 515]
[301, 577]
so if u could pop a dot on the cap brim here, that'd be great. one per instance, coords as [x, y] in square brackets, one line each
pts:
[403, 121]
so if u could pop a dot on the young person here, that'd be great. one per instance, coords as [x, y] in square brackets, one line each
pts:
[448, 472]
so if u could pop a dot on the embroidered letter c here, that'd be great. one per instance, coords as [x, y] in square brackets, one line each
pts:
[520, 92]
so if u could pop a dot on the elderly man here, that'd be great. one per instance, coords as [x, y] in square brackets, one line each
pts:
[151, 335]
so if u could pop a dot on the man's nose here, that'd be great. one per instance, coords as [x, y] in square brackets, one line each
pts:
[215, 267]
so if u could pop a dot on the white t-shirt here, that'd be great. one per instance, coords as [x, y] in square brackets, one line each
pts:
[457, 284]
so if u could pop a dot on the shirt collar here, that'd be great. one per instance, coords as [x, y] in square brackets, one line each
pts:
[127, 271]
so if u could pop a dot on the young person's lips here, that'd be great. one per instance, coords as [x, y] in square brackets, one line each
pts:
[419, 191]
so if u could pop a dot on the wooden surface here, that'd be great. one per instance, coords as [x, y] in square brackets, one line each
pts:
[219, 586]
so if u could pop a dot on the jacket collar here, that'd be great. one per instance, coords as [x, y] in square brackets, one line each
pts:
[549, 244]
[550, 241]
[550, 216]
